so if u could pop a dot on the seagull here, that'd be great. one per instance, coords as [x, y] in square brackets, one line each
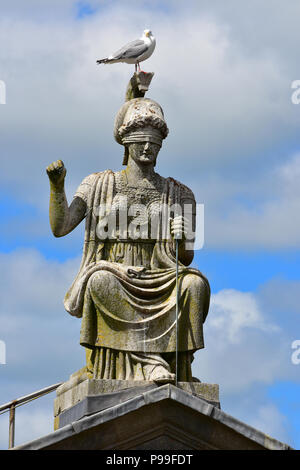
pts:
[134, 52]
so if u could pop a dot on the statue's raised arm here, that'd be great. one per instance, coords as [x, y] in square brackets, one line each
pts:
[63, 219]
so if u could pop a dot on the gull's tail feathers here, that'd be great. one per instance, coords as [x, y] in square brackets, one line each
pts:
[106, 61]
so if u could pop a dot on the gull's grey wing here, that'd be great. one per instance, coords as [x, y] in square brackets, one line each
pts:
[131, 50]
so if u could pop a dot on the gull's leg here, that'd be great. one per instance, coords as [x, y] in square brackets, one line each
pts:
[140, 68]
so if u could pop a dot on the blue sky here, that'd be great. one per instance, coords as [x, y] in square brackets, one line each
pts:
[234, 140]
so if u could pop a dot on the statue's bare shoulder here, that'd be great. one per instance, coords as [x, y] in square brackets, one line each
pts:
[86, 185]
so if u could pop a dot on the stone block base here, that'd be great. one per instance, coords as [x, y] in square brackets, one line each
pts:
[82, 396]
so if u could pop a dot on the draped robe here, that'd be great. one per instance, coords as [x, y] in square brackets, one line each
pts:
[127, 302]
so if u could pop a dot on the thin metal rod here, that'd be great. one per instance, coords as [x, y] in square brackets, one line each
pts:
[11, 436]
[29, 397]
[177, 308]
[13, 404]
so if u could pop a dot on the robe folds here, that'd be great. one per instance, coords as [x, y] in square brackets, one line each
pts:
[127, 305]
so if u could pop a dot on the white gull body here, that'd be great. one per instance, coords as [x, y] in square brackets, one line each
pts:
[134, 52]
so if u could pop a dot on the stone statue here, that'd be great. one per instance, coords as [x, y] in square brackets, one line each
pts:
[125, 290]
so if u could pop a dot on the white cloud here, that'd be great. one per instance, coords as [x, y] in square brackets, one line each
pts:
[261, 214]
[233, 311]
[30, 279]
[226, 99]
[37, 331]
[247, 340]
[223, 106]
[248, 337]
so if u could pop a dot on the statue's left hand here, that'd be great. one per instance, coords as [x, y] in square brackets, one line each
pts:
[178, 228]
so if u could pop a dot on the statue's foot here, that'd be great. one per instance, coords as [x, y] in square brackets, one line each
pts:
[195, 379]
[161, 375]
[165, 379]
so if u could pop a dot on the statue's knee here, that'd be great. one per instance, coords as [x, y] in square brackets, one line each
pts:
[195, 284]
[190, 280]
[99, 280]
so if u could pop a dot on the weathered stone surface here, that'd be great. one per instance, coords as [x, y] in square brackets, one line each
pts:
[112, 392]
[128, 284]
[138, 85]
[164, 418]
[91, 387]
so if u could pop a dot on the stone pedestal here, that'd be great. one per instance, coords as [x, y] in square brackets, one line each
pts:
[81, 396]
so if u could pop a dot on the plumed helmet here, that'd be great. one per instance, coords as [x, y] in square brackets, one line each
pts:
[140, 120]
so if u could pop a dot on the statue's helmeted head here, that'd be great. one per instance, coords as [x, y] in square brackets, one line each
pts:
[140, 120]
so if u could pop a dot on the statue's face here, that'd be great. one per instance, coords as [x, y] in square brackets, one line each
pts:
[144, 153]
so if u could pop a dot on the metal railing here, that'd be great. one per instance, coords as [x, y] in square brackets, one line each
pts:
[12, 405]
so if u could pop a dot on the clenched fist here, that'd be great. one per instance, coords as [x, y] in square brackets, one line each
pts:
[56, 173]
[178, 228]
